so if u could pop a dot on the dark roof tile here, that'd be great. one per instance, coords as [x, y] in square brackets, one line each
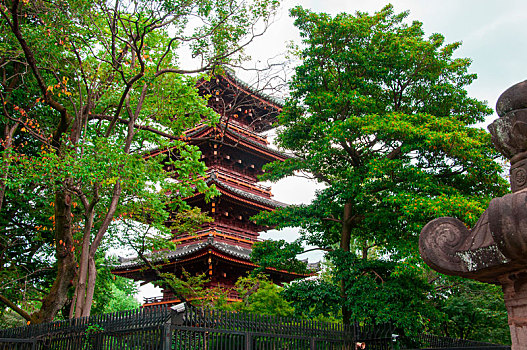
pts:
[247, 195]
[181, 252]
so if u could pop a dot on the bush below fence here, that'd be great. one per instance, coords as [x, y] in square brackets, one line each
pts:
[428, 341]
[160, 328]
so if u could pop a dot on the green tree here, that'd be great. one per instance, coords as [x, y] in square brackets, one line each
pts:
[95, 85]
[112, 293]
[259, 296]
[472, 310]
[278, 254]
[314, 298]
[379, 114]
[26, 251]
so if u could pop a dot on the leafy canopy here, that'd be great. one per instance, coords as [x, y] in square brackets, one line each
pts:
[380, 116]
[88, 91]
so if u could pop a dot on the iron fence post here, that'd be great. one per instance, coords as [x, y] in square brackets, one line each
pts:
[312, 343]
[248, 341]
[167, 336]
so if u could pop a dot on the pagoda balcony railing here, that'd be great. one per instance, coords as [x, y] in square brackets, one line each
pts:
[234, 169]
[235, 227]
[158, 300]
[216, 230]
[225, 227]
[237, 172]
[233, 237]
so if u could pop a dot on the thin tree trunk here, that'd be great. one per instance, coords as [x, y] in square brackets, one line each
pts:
[79, 295]
[365, 250]
[345, 245]
[92, 270]
[90, 290]
[9, 131]
[87, 293]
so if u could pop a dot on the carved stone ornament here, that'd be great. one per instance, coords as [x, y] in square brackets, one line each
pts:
[495, 249]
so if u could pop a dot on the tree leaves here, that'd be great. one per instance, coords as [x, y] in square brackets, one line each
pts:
[379, 113]
[380, 116]
[97, 89]
[279, 255]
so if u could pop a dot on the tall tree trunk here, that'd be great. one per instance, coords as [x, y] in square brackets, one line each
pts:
[85, 288]
[66, 264]
[79, 296]
[90, 287]
[345, 245]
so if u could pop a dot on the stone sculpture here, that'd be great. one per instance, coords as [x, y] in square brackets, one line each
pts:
[495, 249]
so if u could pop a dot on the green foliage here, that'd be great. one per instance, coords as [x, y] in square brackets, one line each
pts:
[187, 287]
[379, 291]
[121, 300]
[380, 116]
[278, 254]
[113, 293]
[26, 246]
[260, 296]
[314, 298]
[10, 319]
[472, 310]
[89, 332]
[382, 119]
[88, 91]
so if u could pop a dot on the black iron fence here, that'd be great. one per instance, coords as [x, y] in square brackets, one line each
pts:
[133, 329]
[160, 328]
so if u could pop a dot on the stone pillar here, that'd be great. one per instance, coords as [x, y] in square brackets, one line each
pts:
[515, 295]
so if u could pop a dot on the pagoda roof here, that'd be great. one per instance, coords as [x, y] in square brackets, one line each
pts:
[204, 130]
[237, 137]
[236, 192]
[273, 101]
[187, 250]
[267, 108]
[184, 253]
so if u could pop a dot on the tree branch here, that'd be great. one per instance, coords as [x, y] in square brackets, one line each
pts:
[15, 308]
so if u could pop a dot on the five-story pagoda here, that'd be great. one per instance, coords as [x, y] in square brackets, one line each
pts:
[234, 152]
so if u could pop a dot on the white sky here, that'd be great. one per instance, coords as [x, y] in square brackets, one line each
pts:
[493, 33]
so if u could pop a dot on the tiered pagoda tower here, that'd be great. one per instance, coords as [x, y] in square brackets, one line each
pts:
[234, 152]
